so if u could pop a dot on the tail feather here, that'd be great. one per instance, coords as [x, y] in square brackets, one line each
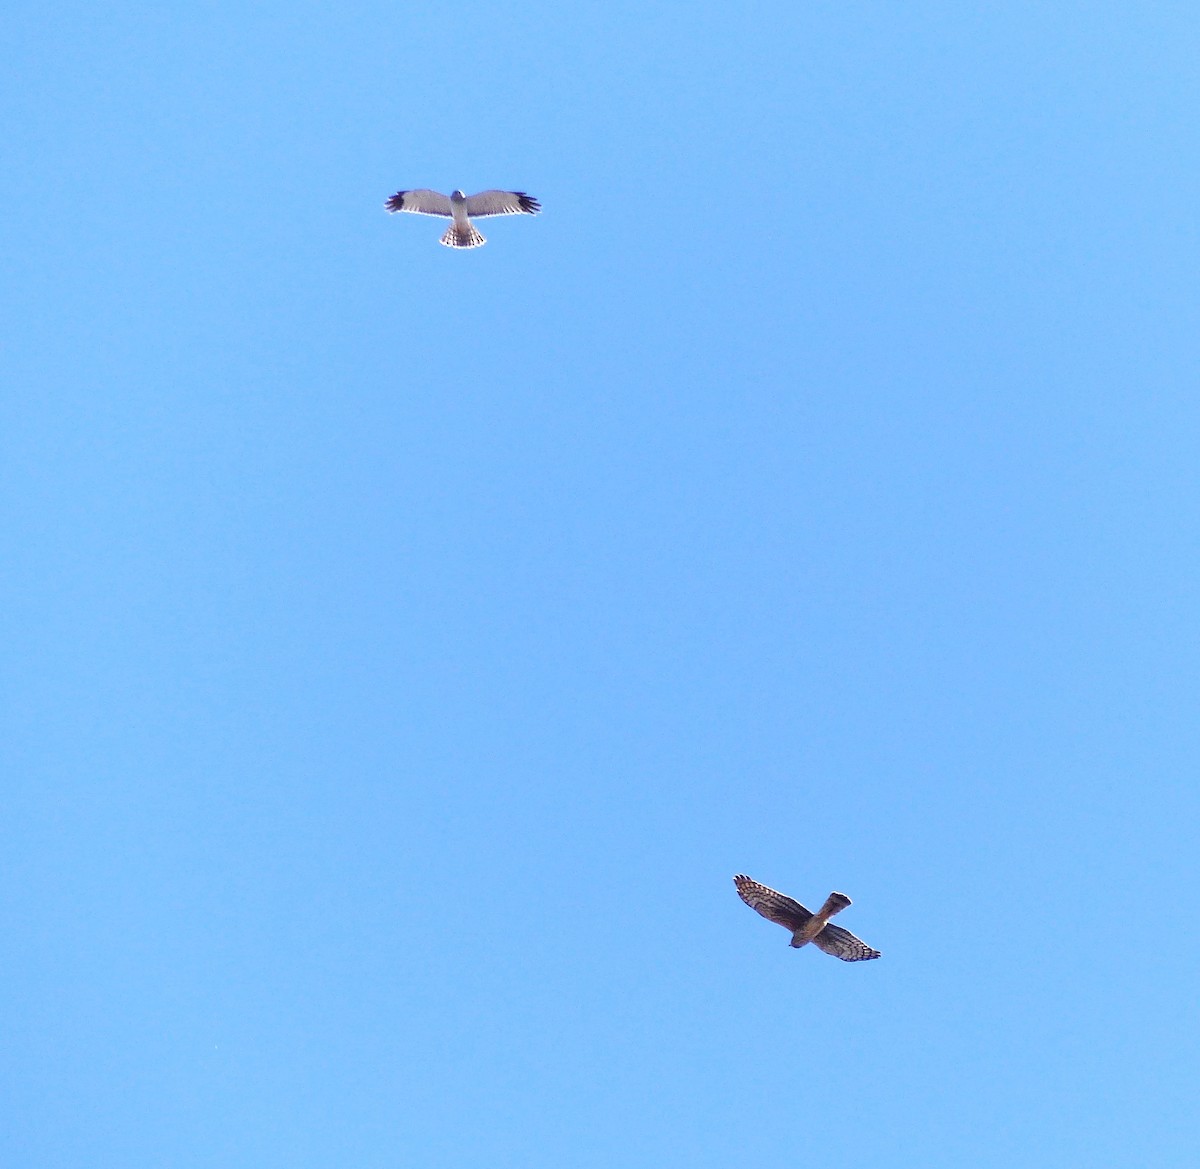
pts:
[462, 237]
[834, 903]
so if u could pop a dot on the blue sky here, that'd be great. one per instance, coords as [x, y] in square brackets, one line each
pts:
[405, 647]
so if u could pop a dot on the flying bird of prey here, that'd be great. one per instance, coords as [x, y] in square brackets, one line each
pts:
[462, 209]
[806, 926]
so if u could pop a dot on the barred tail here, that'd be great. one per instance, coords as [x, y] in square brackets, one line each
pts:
[834, 903]
[462, 237]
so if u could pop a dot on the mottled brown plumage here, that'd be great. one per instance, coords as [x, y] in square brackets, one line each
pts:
[805, 925]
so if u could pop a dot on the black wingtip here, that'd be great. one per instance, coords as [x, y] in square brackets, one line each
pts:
[396, 202]
[528, 203]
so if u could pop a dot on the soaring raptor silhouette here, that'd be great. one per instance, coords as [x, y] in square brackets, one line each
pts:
[806, 926]
[462, 209]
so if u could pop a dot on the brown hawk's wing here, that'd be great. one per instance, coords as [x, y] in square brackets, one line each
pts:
[501, 203]
[843, 944]
[774, 906]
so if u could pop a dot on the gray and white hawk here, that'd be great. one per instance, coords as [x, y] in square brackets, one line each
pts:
[462, 209]
[805, 925]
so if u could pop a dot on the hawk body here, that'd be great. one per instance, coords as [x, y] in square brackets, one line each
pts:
[461, 208]
[805, 925]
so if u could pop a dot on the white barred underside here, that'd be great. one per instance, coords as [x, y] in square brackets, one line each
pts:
[460, 207]
[462, 235]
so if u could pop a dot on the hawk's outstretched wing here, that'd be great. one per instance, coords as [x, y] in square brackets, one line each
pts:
[843, 944]
[501, 203]
[774, 906]
[422, 202]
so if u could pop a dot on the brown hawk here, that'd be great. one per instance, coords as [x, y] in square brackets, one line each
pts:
[462, 209]
[806, 926]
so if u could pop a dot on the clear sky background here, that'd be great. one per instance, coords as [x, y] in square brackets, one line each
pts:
[404, 647]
